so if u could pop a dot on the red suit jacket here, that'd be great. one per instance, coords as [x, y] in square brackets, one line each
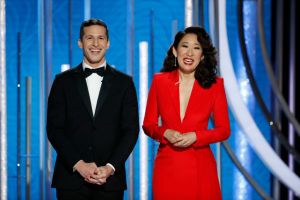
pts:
[186, 173]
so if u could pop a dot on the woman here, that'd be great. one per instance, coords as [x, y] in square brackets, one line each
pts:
[185, 95]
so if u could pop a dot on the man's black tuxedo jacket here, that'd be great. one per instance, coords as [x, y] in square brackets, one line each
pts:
[107, 137]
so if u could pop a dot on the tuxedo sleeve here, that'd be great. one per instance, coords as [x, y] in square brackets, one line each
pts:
[129, 128]
[56, 125]
[150, 124]
[221, 130]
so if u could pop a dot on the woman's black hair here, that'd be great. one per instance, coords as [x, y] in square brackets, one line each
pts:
[206, 71]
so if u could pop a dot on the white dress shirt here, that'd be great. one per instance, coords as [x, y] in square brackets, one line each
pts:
[94, 82]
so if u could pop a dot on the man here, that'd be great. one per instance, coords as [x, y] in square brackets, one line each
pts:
[92, 122]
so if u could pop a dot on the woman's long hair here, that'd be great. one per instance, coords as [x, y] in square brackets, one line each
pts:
[206, 71]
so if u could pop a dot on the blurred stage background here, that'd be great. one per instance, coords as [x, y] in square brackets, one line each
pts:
[258, 48]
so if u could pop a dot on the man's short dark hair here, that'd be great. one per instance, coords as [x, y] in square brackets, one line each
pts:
[92, 22]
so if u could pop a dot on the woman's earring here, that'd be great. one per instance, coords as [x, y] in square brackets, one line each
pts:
[175, 63]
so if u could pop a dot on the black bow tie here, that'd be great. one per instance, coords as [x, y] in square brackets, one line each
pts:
[100, 71]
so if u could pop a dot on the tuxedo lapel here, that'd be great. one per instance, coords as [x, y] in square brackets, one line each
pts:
[83, 90]
[106, 83]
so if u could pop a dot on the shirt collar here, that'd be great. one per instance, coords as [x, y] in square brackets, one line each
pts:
[85, 65]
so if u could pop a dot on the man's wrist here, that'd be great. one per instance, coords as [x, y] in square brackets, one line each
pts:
[111, 167]
[76, 165]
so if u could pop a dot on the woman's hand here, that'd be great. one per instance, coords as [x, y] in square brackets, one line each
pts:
[185, 140]
[172, 136]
